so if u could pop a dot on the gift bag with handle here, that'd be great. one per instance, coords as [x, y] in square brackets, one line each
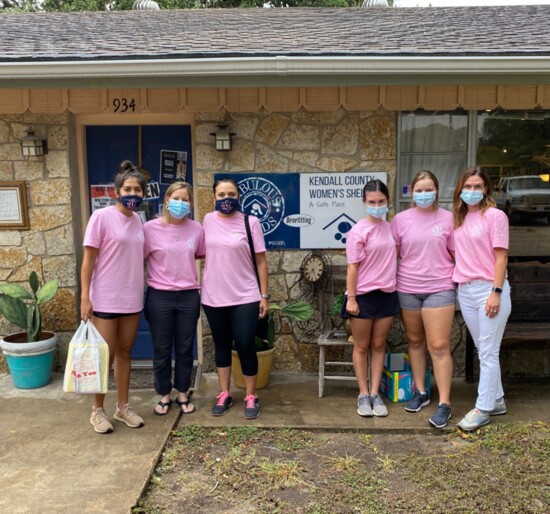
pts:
[87, 368]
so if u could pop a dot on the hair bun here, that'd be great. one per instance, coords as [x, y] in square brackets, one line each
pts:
[126, 166]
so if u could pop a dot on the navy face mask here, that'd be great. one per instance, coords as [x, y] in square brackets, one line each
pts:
[227, 205]
[131, 202]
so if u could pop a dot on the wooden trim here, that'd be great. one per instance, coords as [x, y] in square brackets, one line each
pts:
[290, 99]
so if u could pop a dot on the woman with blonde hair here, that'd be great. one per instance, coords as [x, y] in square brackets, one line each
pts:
[172, 243]
[424, 238]
[481, 241]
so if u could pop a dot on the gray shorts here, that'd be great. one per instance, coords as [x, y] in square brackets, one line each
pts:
[417, 302]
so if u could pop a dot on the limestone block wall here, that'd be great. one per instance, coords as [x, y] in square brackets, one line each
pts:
[48, 247]
[302, 141]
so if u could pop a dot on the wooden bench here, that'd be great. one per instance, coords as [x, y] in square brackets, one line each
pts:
[528, 326]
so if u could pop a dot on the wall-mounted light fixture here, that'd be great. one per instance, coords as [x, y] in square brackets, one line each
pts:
[32, 145]
[223, 138]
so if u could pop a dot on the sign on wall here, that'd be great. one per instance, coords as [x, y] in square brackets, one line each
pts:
[304, 210]
[173, 166]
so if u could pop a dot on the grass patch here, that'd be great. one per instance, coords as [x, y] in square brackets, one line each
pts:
[501, 468]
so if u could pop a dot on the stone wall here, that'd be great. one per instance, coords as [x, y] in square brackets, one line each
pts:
[337, 141]
[48, 247]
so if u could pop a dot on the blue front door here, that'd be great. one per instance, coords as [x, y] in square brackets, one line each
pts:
[108, 146]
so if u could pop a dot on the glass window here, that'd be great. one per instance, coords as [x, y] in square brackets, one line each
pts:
[437, 142]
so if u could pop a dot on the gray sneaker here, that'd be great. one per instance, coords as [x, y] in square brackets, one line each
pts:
[474, 420]
[500, 408]
[417, 402]
[364, 408]
[441, 416]
[378, 407]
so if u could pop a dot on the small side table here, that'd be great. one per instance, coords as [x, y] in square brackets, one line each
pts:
[332, 338]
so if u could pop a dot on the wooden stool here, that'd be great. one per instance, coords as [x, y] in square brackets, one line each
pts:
[332, 338]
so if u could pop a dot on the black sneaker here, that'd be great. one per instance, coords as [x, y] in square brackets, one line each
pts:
[417, 402]
[224, 401]
[441, 416]
[252, 407]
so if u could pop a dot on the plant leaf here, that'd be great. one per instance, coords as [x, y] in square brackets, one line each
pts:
[34, 324]
[47, 292]
[14, 310]
[15, 291]
[33, 281]
[298, 310]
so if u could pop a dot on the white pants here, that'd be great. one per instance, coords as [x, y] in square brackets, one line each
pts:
[487, 335]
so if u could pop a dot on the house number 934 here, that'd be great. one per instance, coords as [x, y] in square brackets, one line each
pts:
[124, 104]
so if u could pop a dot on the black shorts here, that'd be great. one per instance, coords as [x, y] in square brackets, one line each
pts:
[373, 305]
[113, 315]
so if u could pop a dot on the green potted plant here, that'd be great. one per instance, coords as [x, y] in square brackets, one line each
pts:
[337, 303]
[296, 311]
[29, 354]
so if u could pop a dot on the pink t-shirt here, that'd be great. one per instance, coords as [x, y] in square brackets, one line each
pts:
[171, 250]
[229, 277]
[370, 244]
[117, 280]
[475, 240]
[425, 240]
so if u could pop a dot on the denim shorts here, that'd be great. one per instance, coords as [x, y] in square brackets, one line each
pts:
[417, 302]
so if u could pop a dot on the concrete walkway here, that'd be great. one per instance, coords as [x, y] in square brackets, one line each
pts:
[51, 460]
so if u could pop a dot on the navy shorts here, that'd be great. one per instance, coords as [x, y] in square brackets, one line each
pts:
[113, 315]
[373, 305]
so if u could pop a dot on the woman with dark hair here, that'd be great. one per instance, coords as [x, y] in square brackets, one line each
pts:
[172, 307]
[112, 286]
[231, 297]
[481, 241]
[424, 238]
[371, 299]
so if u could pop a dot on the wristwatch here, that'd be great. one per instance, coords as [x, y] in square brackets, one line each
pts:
[266, 296]
[497, 290]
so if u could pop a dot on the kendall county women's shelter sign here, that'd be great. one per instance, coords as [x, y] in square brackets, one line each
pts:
[304, 210]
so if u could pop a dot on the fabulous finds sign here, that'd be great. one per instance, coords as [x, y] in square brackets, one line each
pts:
[304, 210]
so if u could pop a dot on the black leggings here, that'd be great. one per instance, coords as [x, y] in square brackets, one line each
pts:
[235, 323]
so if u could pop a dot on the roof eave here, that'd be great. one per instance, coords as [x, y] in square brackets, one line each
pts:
[336, 69]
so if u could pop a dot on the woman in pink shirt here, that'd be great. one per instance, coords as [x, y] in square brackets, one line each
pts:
[231, 297]
[112, 286]
[371, 300]
[424, 238]
[172, 307]
[481, 240]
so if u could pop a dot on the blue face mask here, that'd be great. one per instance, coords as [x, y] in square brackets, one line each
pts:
[227, 205]
[424, 199]
[376, 212]
[179, 208]
[131, 202]
[471, 197]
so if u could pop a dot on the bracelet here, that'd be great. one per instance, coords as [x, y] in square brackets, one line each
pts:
[352, 296]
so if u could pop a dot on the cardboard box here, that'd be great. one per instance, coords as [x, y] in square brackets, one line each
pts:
[397, 362]
[398, 386]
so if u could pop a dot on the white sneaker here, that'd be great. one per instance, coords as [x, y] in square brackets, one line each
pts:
[473, 420]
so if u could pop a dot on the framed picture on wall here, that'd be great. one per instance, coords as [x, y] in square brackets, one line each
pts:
[14, 214]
